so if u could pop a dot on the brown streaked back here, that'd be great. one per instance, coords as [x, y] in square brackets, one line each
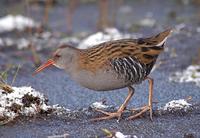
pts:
[145, 50]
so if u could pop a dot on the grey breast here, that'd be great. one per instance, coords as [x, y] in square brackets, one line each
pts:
[101, 80]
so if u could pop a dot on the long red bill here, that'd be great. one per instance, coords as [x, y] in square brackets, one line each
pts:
[43, 66]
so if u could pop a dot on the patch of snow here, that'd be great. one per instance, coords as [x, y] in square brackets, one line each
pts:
[22, 101]
[198, 29]
[18, 22]
[121, 135]
[1, 42]
[99, 105]
[70, 40]
[39, 42]
[179, 27]
[177, 105]
[21, 43]
[185, 2]
[47, 39]
[8, 41]
[25, 101]
[148, 22]
[107, 35]
[125, 9]
[191, 74]
[59, 110]
[44, 35]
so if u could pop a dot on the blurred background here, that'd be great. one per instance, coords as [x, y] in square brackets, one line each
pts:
[36, 25]
[73, 16]
[80, 18]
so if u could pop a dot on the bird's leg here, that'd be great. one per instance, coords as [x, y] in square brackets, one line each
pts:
[119, 111]
[149, 106]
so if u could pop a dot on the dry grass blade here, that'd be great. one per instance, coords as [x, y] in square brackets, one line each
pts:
[4, 74]
[36, 58]
[15, 75]
[3, 78]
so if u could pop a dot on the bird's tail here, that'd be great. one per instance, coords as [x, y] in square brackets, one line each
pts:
[159, 39]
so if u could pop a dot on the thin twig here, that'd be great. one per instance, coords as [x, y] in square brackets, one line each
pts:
[59, 136]
[15, 75]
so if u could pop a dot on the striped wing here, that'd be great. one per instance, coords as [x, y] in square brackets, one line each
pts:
[130, 57]
[130, 69]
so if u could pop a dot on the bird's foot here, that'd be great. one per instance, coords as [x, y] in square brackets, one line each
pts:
[138, 109]
[109, 115]
[142, 111]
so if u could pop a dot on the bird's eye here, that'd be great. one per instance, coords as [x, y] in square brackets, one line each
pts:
[57, 56]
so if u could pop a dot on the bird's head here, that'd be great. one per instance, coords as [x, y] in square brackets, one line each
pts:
[62, 58]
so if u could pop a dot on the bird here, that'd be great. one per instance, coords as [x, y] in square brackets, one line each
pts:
[112, 65]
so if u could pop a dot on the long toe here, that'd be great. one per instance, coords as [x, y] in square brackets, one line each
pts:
[103, 112]
[143, 110]
[138, 109]
[108, 116]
